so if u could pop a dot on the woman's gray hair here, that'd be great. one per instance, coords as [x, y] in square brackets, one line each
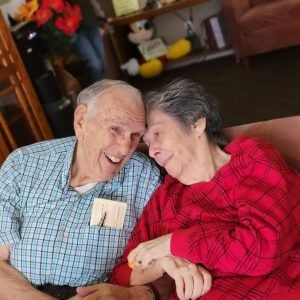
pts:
[94, 91]
[187, 101]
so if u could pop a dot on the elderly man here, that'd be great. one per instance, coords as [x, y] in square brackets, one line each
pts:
[68, 206]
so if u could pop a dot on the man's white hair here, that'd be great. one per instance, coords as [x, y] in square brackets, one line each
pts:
[94, 91]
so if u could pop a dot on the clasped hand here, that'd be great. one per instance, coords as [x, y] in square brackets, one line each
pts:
[192, 281]
[145, 254]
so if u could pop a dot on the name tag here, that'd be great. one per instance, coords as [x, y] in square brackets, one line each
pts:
[108, 213]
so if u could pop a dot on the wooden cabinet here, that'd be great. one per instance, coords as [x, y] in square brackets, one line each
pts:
[22, 120]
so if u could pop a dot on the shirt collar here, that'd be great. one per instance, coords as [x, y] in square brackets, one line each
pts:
[66, 172]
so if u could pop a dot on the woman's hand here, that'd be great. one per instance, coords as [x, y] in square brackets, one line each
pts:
[145, 254]
[192, 281]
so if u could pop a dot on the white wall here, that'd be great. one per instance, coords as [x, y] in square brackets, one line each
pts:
[10, 8]
[171, 28]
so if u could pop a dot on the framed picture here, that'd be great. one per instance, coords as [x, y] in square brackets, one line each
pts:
[125, 7]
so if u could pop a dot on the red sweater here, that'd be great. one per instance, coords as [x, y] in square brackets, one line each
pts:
[245, 221]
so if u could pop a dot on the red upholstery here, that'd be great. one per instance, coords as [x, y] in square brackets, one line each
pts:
[283, 134]
[258, 26]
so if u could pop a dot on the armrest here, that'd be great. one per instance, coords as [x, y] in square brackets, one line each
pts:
[282, 133]
[232, 11]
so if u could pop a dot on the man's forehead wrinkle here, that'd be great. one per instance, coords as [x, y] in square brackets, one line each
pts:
[120, 113]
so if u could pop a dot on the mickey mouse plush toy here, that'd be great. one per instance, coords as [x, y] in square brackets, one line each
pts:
[141, 32]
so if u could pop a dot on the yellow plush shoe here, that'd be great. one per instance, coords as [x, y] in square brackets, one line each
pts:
[151, 68]
[179, 49]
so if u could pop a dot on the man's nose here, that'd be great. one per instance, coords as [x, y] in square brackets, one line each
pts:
[125, 144]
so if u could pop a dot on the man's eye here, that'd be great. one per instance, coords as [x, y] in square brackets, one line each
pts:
[115, 129]
[136, 136]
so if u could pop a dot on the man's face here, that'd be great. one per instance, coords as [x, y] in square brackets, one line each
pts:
[108, 132]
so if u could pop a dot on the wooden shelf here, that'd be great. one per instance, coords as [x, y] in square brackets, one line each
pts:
[150, 13]
[198, 57]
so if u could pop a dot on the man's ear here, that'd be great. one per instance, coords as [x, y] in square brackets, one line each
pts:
[79, 119]
[199, 126]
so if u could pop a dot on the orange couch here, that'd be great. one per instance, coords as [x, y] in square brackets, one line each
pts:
[283, 134]
[258, 26]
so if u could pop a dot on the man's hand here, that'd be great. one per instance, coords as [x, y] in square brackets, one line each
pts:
[145, 254]
[112, 292]
[5, 252]
[192, 281]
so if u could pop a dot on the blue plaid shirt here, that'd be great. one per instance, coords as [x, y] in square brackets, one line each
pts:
[47, 222]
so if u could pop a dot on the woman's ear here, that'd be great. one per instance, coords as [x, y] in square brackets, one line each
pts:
[199, 126]
[79, 119]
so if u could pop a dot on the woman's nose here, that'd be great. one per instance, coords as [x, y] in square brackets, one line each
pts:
[151, 150]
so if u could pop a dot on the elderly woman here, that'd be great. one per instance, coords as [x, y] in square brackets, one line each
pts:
[232, 208]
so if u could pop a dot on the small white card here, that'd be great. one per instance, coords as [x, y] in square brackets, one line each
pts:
[113, 211]
[152, 49]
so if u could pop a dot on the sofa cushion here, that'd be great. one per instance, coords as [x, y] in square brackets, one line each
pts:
[270, 14]
[255, 2]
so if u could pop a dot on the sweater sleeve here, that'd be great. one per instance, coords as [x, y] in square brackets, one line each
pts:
[144, 230]
[262, 227]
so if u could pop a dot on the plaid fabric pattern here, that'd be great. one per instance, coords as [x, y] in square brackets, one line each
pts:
[47, 222]
[243, 225]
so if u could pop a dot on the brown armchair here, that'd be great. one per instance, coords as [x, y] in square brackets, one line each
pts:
[258, 26]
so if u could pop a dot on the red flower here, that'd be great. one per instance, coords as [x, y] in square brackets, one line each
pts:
[68, 25]
[42, 15]
[58, 21]
[56, 5]
[72, 11]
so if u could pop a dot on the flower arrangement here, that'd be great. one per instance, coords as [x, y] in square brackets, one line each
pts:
[57, 22]
[26, 11]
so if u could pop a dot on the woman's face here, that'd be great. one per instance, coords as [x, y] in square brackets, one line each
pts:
[171, 145]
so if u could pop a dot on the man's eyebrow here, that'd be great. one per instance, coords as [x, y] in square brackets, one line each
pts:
[141, 132]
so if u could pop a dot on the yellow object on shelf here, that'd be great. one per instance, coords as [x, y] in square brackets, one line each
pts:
[151, 68]
[179, 49]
